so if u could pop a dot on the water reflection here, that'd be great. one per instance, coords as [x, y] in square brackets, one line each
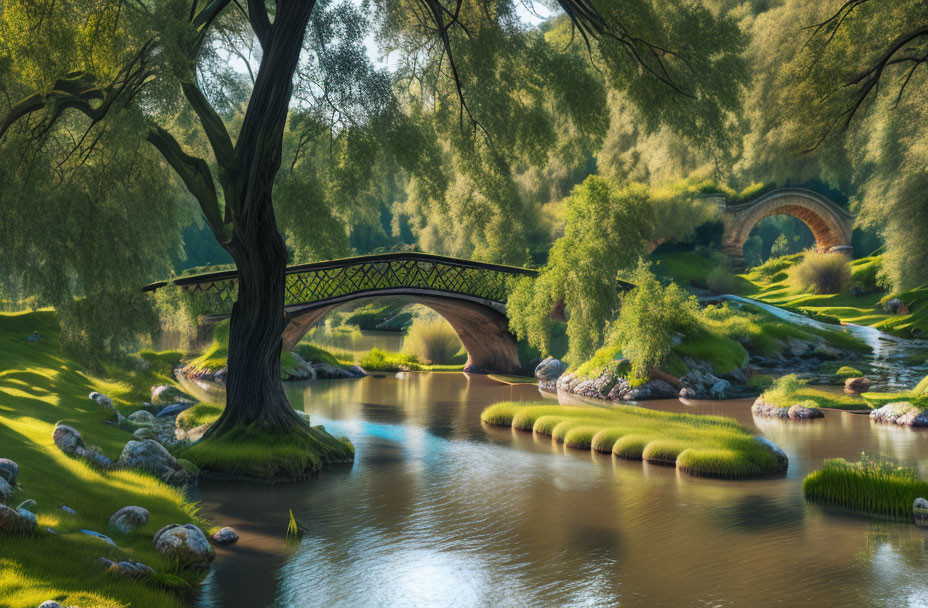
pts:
[439, 510]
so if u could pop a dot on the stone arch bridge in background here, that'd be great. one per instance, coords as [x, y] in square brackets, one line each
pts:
[470, 295]
[830, 224]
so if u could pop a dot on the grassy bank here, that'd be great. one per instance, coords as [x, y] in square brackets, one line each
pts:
[40, 386]
[874, 485]
[710, 446]
[789, 390]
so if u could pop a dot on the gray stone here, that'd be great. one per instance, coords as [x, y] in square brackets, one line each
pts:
[782, 459]
[920, 512]
[801, 411]
[34, 337]
[902, 413]
[71, 443]
[150, 456]
[8, 470]
[12, 522]
[105, 563]
[185, 546]
[142, 417]
[720, 388]
[102, 400]
[102, 537]
[68, 510]
[134, 569]
[166, 394]
[854, 386]
[191, 435]
[128, 519]
[144, 433]
[50, 604]
[28, 516]
[225, 536]
[301, 371]
[6, 490]
[173, 410]
[550, 369]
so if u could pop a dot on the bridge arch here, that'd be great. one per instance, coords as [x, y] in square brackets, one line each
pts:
[470, 295]
[831, 225]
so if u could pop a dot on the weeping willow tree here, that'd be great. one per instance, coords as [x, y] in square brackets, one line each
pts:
[164, 72]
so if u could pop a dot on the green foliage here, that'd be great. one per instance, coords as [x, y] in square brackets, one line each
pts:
[822, 273]
[315, 354]
[789, 390]
[875, 485]
[846, 371]
[700, 445]
[434, 341]
[720, 280]
[258, 453]
[201, 413]
[377, 360]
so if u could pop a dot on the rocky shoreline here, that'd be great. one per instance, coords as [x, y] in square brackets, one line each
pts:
[304, 371]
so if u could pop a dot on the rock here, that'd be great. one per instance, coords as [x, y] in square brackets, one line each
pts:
[652, 389]
[142, 417]
[688, 393]
[719, 389]
[8, 471]
[324, 371]
[855, 386]
[802, 411]
[782, 459]
[356, 370]
[71, 443]
[134, 569]
[857, 291]
[225, 536]
[28, 516]
[166, 394]
[902, 413]
[174, 410]
[185, 546]
[301, 370]
[102, 400]
[12, 522]
[68, 510]
[475, 369]
[920, 512]
[128, 519]
[144, 433]
[895, 306]
[550, 369]
[6, 490]
[50, 604]
[149, 455]
[105, 563]
[102, 537]
[34, 337]
[191, 435]
[27, 504]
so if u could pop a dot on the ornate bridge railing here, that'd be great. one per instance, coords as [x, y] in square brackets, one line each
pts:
[335, 280]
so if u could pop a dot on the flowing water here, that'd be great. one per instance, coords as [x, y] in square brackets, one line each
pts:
[439, 510]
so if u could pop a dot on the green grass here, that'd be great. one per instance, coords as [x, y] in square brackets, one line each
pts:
[258, 454]
[789, 390]
[845, 371]
[874, 486]
[710, 446]
[314, 354]
[201, 413]
[378, 360]
[918, 396]
[506, 379]
[39, 386]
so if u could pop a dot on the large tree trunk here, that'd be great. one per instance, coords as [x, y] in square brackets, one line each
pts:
[254, 392]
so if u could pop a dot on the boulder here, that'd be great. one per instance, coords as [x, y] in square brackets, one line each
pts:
[802, 411]
[902, 413]
[855, 386]
[71, 443]
[719, 389]
[920, 512]
[128, 519]
[150, 456]
[8, 470]
[146, 432]
[68, 510]
[102, 400]
[225, 536]
[782, 459]
[550, 369]
[28, 516]
[12, 522]
[50, 604]
[142, 417]
[301, 371]
[6, 490]
[191, 435]
[133, 569]
[173, 410]
[185, 546]
[166, 394]
[102, 537]
[893, 305]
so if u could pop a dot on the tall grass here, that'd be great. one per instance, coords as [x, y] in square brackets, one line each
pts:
[875, 485]
[710, 446]
[434, 341]
[822, 273]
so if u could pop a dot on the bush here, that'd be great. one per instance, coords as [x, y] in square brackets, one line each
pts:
[822, 273]
[722, 281]
[433, 341]
[377, 360]
[876, 485]
[774, 266]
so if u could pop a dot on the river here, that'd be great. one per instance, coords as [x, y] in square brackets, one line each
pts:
[439, 510]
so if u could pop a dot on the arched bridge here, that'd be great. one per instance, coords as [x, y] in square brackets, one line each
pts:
[830, 224]
[470, 295]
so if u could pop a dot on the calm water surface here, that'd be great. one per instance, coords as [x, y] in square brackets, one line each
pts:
[439, 510]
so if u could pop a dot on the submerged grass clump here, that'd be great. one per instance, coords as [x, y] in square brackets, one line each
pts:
[256, 453]
[875, 485]
[711, 446]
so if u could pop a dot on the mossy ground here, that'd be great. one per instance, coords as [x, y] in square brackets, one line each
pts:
[874, 486]
[40, 386]
[711, 446]
[788, 391]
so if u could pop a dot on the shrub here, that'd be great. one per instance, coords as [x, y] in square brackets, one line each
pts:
[775, 266]
[876, 485]
[433, 341]
[822, 273]
[845, 371]
[722, 281]
[376, 360]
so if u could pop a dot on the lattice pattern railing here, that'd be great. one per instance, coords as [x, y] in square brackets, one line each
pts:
[325, 281]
